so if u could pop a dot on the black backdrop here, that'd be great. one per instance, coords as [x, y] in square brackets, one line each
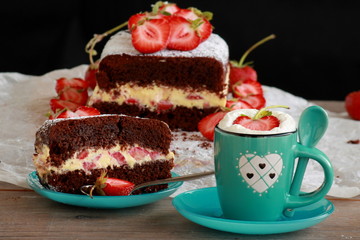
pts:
[316, 54]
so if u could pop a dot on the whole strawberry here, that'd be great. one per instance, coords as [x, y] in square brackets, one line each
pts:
[352, 105]
[241, 71]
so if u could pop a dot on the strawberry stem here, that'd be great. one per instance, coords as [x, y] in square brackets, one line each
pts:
[241, 62]
[263, 111]
[89, 48]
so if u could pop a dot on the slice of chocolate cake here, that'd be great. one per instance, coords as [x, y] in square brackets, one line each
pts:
[178, 87]
[70, 153]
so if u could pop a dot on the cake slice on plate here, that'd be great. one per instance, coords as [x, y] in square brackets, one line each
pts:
[73, 152]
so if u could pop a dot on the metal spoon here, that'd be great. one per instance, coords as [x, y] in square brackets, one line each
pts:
[86, 188]
[312, 126]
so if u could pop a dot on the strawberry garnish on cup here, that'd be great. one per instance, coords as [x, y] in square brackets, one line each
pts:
[106, 186]
[262, 121]
[241, 71]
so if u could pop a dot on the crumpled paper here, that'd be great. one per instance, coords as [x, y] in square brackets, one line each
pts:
[24, 101]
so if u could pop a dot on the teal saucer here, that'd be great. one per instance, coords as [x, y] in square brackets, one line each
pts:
[202, 207]
[101, 201]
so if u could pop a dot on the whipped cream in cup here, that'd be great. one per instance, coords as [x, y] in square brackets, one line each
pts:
[287, 123]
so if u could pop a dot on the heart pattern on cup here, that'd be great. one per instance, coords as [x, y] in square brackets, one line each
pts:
[260, 172]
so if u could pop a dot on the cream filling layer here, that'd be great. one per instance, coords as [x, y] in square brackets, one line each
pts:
[154, 97]
[97, 158]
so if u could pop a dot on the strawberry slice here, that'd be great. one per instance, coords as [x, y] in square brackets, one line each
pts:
[256, 101]
[234, 104]
[205, 29]
[247, 88]
[263, 124]
[187, 14]
[183, 34]
[138, 153]
[58, 104]
[75, 95]
[65, 83]
[136, 19]
[169, 8]
[86, 111]
[164, 105]
[241, 74]
[150, 35]
[65, 114]
[207, 125]
[90, 74]
[80, 111]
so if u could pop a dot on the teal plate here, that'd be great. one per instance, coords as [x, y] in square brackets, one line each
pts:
[202, 207]
[101, 201]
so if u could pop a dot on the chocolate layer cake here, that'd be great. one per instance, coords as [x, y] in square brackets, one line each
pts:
[178, 87]
[70, 153]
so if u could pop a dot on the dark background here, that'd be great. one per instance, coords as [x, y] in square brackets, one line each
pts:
[316, 54]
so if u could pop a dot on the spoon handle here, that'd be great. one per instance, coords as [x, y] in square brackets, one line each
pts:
[174, 179]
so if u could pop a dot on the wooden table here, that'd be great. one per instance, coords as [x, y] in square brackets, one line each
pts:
[27, 215]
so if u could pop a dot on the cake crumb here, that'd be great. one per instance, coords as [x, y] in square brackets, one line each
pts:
[205, 145]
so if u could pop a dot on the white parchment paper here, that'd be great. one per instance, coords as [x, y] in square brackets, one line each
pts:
[24, 101]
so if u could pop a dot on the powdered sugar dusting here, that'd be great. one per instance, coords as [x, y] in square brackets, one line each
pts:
[213, 47]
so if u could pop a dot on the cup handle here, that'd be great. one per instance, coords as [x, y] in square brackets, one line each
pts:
[295, 201]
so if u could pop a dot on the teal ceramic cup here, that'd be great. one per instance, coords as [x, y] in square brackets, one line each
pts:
[254, 174]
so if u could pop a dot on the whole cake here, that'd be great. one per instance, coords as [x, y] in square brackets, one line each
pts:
[178, 87]
[73, 152]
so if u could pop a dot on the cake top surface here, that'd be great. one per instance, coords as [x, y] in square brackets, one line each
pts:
[51, 122]
[213, 47]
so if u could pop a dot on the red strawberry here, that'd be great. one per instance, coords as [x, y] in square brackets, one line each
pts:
[65, 114]
[86, 111]
[234, 104]
[198, 18]
[207, 125]
[169, 8]
[240, 74]
[183, 34]
[263, 120]
[75, 95]
[90, 74]
[352, 105]
[187, 14]
[256, 101]
[58, 104]
[205, 29]
[263, 124]
[150, 35]
[164, 105]
[106, 186]
[241, 71]
[194, 96]
[119, 157]
[80, 111]
[64, 83]
[247, 88]
[138, 153]
[136, 19]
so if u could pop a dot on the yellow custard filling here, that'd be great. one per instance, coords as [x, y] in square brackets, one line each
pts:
[97, 158]
[152, 96]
